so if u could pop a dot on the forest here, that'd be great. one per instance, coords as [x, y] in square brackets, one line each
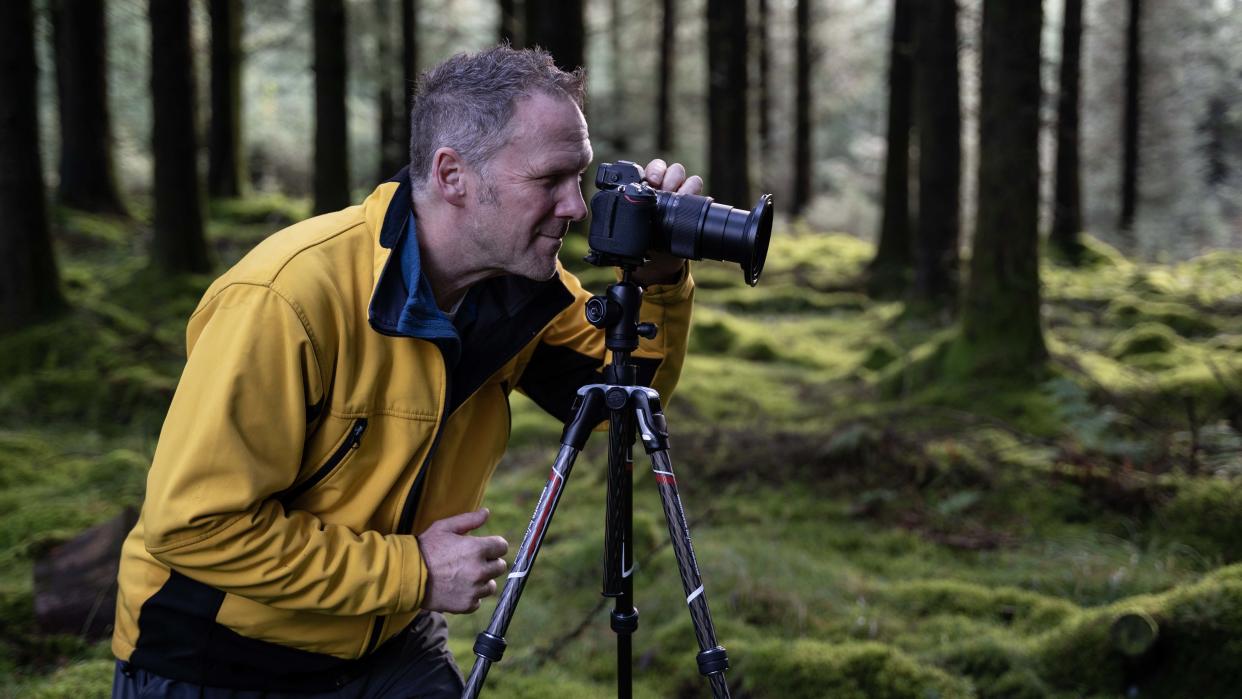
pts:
[976, 432]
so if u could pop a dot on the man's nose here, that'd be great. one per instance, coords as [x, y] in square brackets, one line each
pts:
[571, 205]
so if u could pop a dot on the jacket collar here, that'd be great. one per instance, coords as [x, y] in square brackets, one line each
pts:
[402, 302]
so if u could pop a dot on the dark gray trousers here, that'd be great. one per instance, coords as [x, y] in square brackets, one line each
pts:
[418, 664]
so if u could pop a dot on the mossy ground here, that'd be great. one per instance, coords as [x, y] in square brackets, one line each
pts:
[867, 525]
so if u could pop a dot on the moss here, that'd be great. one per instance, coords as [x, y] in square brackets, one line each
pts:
[1144, 339]
[1130, 310]
[1206, 514]
[1197, 652]
[881, 353]
[712, 336]
[82, 680]
[787, 299]
[809, 668]
[274, 210]
[1023, 611]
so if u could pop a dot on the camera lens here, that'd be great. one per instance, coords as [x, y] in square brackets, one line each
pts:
[696, 227]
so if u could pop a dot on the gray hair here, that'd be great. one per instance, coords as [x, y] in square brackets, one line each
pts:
[467, 102]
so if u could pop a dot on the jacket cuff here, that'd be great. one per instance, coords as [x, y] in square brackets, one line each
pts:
[668, 294]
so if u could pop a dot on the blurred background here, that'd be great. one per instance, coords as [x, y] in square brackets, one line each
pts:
[976, 433]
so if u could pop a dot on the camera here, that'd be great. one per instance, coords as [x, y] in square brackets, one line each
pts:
[629, 219]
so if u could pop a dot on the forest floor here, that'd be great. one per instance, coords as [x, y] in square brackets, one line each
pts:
[868, 522]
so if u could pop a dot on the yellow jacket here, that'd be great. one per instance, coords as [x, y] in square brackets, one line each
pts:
[324, 417]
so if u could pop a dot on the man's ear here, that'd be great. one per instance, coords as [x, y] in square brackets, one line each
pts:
[448, 176]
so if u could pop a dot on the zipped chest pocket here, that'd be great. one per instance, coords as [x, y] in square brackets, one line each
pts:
[343, 451]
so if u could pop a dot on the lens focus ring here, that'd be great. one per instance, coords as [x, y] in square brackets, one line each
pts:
[682, 221]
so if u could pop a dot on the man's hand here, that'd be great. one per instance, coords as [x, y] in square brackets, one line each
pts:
[460, 568]
[663, 267]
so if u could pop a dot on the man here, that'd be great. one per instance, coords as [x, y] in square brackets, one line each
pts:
[346, 387]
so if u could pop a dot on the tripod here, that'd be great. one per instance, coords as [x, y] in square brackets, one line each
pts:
[628, 408]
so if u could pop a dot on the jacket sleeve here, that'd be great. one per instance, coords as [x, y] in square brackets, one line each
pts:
[571, 353]
[233, 438]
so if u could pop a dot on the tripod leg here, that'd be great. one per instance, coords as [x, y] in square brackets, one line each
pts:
[618, 546]
[489, 646]
[712, 658]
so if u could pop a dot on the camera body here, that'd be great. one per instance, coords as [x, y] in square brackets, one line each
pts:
[623, 214]
[630, 219]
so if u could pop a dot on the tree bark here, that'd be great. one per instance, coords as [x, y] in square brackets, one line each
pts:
[29, 287]
[179, 244]
[1067, 207]
[87, 176]
[889, 270]
[620, 125]
[1000, 319]
[389, 138]
[1130, 120]
[802, 109]
[728, 171]
[765, 93]
[409, 63]
[668, 64]
[559, 26]
[331, 135]
[396, 85]
[938, 117]
[226, 168]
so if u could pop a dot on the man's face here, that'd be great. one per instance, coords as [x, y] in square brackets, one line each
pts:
[531, 190]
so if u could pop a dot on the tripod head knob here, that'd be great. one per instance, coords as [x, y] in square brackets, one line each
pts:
[647, 330]
[601, 311]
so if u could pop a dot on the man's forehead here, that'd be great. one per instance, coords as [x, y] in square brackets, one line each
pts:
[554, 126]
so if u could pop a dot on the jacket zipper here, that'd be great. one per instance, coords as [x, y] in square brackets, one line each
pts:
[406, 522]
[352, 440]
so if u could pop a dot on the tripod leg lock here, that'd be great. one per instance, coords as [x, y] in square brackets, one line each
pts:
[712, 661]
[625, 623]
[489, 646]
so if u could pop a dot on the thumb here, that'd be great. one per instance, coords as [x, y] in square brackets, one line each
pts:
[464, 522]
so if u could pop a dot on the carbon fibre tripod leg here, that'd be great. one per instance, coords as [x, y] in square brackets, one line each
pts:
[652, 428]
[490, 645]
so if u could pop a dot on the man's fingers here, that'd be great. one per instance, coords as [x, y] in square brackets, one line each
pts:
[489, 589]
[693, 185]
[654, 172]
[495, 569]
[493, 547]
[674, 177]
[462, 523]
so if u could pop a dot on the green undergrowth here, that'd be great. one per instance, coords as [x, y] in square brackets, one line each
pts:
[868, 523]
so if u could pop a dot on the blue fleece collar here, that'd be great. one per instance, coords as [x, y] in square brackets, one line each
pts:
[403, 303]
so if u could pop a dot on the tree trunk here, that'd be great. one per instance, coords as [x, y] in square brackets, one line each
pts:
[409, 64]
[802, 109]
[1000, 319]
[668, 64]
[939, 118]
[890, 269]
[1130, 120]
[389, 138]
[395, 85]
[559, 26]
[508, 29]
[1067, 208]
[179, 245]
[87, 178]
[765, 93]
[620, 125]
[226, 169]
[727, 170]
[29, 288]
[331, 135]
